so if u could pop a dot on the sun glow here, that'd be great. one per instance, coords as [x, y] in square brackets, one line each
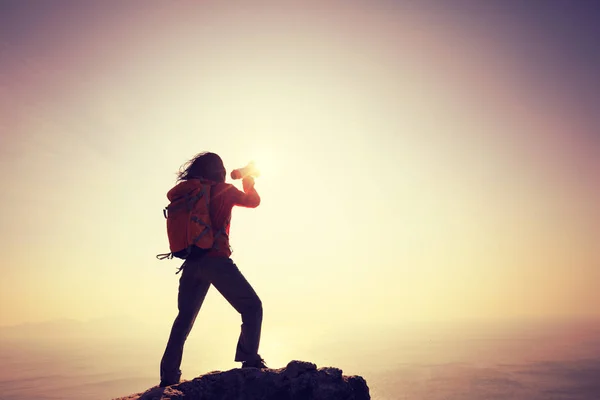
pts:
[265, 161]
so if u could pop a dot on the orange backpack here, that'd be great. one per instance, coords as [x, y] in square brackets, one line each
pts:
[188, 218]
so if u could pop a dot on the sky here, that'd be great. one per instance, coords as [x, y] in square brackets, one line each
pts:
[427, 161]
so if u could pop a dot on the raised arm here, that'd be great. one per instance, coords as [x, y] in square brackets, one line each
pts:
[249, 197]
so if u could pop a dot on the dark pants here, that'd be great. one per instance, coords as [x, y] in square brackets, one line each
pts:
[196, 278]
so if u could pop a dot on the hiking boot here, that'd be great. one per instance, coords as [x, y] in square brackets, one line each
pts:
[258, 363]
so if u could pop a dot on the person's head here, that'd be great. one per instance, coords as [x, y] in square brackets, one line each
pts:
[204, 165]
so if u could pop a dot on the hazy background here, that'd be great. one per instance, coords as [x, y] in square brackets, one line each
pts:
[423, 162]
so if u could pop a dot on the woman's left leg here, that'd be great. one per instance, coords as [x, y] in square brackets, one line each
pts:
[229, 281]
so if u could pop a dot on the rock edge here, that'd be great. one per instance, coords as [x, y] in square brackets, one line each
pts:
[299, 380]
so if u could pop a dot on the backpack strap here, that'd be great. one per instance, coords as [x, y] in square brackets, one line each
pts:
[206, 229]
[220, 232]
[189, 202]
[164, 256]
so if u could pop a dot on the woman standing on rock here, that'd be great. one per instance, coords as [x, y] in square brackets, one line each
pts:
[203, 201]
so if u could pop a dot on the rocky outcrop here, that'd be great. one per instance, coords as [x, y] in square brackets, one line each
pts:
[297, 381]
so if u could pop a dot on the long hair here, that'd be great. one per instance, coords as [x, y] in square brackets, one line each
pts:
[204, 165]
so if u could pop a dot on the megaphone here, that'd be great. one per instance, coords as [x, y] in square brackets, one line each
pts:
[248, 170]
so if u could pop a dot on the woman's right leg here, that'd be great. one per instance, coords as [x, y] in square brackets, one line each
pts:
[192, 292]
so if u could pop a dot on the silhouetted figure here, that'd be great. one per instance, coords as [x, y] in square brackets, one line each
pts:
[207, 258]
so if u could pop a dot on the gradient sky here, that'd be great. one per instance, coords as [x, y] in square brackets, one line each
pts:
[420, 162]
